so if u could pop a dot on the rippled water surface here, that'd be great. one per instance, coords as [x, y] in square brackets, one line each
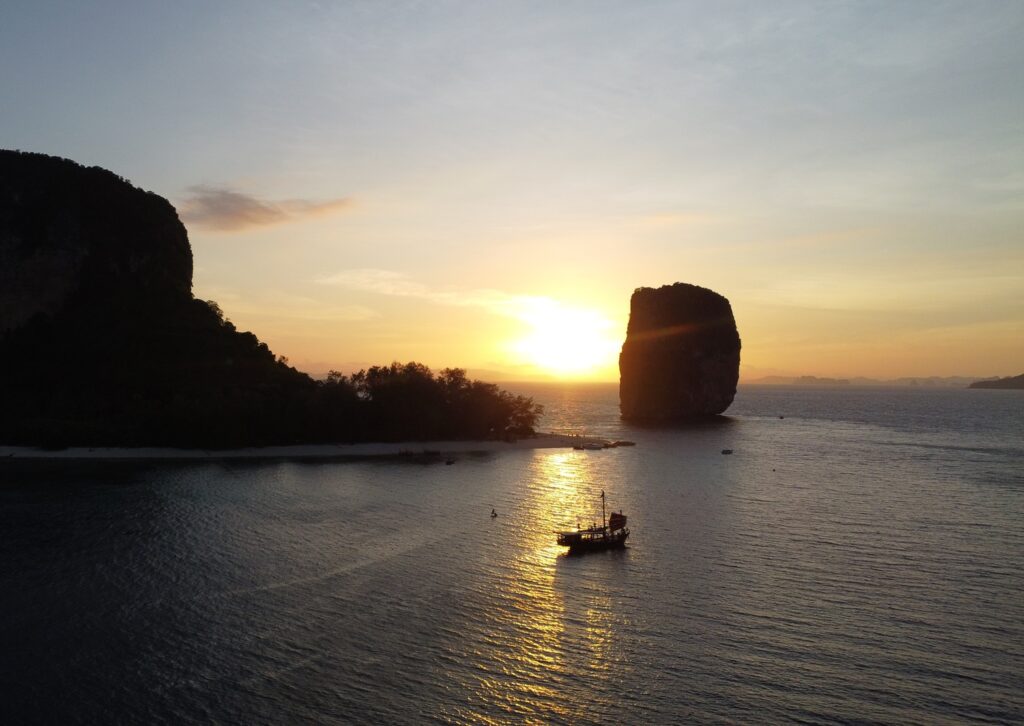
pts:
[861, 558]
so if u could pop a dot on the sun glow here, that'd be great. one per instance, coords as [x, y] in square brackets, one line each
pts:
[566, 341]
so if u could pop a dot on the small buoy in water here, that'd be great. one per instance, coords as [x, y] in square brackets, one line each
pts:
[782, 417]
[726, 451]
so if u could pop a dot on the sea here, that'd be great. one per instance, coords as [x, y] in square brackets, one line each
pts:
[857, 558]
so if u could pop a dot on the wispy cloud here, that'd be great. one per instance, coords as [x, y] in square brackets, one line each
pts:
[561, 337]
[226, 210]
[385, 282]
[677, 219]
[390, 282]
[277, 305]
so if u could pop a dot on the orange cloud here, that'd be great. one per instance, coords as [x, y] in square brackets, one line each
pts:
[225, 210]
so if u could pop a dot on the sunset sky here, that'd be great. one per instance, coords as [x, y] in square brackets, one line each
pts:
[484, 184]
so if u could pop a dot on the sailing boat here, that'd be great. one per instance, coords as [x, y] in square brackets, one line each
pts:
[612, 533]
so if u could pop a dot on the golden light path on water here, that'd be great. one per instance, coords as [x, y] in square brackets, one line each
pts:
[560, 479]
[840, 567]
[549, 630]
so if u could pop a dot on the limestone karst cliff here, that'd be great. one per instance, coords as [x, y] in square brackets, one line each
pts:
[101, 340]
[103, 344]
[69, 231]
[681, 356]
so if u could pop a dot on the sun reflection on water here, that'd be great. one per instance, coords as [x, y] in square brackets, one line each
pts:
[551, 629]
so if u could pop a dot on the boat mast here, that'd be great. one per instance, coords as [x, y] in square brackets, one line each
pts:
[604, 519]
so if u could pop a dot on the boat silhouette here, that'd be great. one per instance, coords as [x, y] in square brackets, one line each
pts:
[611, 533]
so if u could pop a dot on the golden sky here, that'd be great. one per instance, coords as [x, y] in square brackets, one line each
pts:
[483, 186]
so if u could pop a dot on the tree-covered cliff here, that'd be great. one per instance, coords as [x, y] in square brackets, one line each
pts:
[102, 342]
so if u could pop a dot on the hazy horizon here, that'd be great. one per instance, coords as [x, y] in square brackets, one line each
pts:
[746, 376]
[484, 186]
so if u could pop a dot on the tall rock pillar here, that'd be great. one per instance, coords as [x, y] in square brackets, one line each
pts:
[681, 357]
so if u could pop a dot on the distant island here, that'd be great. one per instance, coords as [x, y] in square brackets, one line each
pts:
[102, 342]
[1012, 382]
[801, 381]
[919, 381]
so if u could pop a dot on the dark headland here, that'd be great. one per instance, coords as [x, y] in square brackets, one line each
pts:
[681, 357]
[1012, 382]
[102, 342]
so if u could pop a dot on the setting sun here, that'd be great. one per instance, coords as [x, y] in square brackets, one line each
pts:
[566, 341]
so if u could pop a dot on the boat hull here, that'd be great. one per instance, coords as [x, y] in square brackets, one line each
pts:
[582, 542]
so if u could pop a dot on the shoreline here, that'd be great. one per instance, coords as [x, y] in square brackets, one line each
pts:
[301, 451]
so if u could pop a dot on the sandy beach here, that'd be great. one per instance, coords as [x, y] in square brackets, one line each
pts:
[310, 451]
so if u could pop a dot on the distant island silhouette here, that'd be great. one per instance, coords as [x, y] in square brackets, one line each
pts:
[801, 381]
[102, 342]
[906, 381]
[1011, 382]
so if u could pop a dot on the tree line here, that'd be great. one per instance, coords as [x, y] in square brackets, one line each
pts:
[165, 372]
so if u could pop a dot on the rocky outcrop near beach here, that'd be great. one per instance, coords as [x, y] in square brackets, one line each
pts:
[681, 356]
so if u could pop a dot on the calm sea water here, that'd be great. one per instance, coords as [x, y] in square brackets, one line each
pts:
[860, 559]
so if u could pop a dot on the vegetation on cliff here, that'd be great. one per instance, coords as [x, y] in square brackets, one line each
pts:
[103, 344]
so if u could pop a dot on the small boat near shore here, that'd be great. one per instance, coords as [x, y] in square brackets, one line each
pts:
[611, 534]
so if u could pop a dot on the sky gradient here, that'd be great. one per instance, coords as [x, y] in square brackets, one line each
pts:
[473, 183]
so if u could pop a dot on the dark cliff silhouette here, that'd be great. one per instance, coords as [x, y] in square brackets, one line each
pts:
[1011, 382]
[102, 342]
[681, 356]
